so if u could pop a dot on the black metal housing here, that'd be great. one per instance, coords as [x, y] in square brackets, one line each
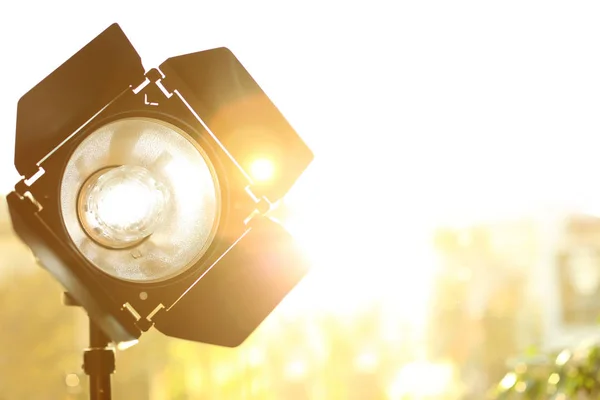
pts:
[240, 114]
[247, 270]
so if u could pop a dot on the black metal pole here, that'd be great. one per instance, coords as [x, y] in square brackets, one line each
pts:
[98, 360]
[99, 364]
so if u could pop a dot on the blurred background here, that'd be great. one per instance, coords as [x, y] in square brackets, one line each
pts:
[452, 214]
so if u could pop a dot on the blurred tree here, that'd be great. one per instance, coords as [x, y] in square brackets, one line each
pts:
[43, 343]
[139, 366]
[568, 375]
[37, 336]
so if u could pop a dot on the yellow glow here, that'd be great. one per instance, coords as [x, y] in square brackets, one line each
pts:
[125, 204]
[223, 373]
[255, 356]
[194, 379]
[508, 381]
[367, 361]
[422, 379]
[262, 170]
[256, 386]
[563, 357]
[521, 368]
[554, 379]
[521, 387]
[121, 206]
[122, 346]
[295, 370]
[72, 380]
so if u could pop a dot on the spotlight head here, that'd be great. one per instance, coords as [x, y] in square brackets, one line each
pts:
[144, 193]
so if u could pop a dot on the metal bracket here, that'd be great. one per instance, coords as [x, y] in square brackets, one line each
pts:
[30, 181]
[263, 206]
[146, 323]
[143, 323]
[153, 76]
[22, 190]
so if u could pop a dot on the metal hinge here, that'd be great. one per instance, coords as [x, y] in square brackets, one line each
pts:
[153, 77]
[263, 206]
[22, 190]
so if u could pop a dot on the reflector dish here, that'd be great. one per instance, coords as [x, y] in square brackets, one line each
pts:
[140, 200]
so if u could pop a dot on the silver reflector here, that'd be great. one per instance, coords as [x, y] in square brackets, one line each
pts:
[140, 200]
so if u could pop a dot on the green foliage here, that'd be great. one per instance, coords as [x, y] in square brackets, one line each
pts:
[567, 375]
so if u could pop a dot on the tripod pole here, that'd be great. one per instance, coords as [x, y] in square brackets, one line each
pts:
[99, 364]
[98, 359]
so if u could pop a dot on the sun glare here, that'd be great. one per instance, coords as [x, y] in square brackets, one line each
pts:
[358, 259]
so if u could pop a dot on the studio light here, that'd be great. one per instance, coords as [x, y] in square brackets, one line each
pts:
[147, 193]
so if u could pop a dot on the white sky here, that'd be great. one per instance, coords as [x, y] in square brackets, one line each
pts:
[440, 107]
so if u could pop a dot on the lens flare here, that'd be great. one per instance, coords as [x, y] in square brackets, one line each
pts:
[262, 170]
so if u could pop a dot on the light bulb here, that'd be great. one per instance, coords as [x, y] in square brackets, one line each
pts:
[119, 207]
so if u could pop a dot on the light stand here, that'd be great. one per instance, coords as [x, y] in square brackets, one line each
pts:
[98, 359]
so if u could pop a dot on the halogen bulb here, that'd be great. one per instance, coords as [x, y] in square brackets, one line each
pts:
[121, 206]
